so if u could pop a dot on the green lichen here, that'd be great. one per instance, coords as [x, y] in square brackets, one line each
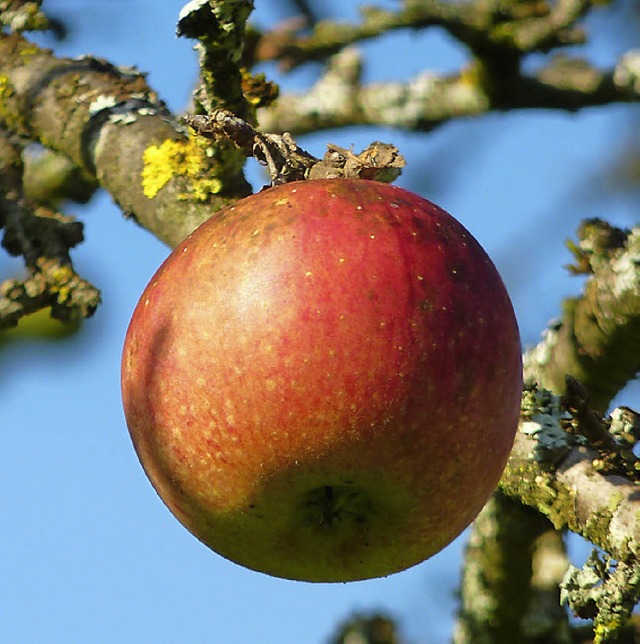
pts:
[187, 158]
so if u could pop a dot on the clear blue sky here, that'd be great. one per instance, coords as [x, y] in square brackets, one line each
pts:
[88, 553]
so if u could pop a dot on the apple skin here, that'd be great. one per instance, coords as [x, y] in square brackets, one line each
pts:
[323, 381]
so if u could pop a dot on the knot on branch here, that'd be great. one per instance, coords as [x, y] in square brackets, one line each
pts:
[598, 337]
[287, 162]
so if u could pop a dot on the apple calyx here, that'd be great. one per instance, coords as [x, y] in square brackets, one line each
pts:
[331, 505]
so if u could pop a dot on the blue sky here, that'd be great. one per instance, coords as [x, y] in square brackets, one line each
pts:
[88, 553]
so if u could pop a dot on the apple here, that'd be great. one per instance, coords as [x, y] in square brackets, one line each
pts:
[323, 381]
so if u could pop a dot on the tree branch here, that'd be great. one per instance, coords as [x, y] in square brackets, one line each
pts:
[487, 28]
[584, 480]
[44, 238]
[338, 99]
[499, 602]
[554, 471]
[219, 27]
[597, 339]
[111, 124]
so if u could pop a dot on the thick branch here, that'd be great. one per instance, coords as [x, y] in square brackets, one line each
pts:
[499, 603]
[558, 474]
[111, 124]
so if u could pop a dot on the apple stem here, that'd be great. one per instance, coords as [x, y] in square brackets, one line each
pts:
[287, 161]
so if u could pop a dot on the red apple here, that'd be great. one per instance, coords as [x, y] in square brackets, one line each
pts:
[323, 381]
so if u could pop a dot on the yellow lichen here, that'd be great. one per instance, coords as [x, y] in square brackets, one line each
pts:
[187, 158]
[27, 52]
[61, 277]
[62, 274]
[6, 91]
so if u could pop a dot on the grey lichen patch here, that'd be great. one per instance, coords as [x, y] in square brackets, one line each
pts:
[23, 16]
[544, 419]
[626, 267]
[123, 112]
[603, 590]
[122, 119]
[627, 72]
[624, 426]
[102, 102]
[536, 358]
[580, 583]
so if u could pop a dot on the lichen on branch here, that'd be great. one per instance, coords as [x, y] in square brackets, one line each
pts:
[44, 238]
[597, 338]
[575, 491]
[498, 36]
[219, 28]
